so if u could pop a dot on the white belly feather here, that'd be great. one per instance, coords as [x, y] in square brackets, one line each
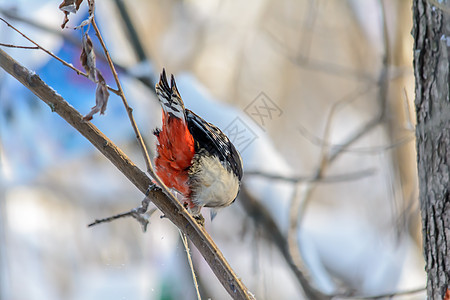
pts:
[212, 184]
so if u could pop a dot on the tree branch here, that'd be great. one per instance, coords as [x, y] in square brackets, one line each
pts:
[19, 47]
[139, 213]
[69, 65]
[146, 80]
[263, 218]
[191, 264]
[387, 295]
[328, 179]
[176, 213]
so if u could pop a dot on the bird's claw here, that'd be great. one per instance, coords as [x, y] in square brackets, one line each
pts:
[200, 220]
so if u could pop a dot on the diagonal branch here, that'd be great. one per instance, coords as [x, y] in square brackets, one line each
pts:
[191, 264]
[263, 218]
[177, 214]
[125, 103]
[302, 198]
[79, 72]
[328, 179]
[69, 65]
[147, 80]
[129, 110]
[141, 213]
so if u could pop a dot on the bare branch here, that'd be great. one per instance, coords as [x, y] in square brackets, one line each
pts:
[79, 72]
[129, 110]
[191, 265]
[409, 123]
[20, 47]
[361, 150]
[299, 201]
[139, 213]
[387, 295]
[329, 179]
[176, 213]
[263, 218]
[147, 80]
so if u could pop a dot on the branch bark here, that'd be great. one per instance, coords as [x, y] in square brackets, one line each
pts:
[431, 34]
[177, 214]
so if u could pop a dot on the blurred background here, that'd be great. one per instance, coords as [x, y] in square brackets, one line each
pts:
[317, 95]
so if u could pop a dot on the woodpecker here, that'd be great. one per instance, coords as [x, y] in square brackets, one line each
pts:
[194, 157]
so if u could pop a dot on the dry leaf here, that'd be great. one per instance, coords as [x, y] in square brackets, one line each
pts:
[101, 93]
[78, 3]
[66, 19]
[91, 4]
[87, 57]
[68, 7]
[88, 21]
[101, 98]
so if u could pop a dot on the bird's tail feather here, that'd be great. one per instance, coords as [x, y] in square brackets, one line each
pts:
[169, 97]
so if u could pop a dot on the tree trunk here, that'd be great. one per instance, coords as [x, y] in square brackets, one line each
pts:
[431, 32]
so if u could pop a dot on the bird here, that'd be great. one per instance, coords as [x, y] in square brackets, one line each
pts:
[193, 156]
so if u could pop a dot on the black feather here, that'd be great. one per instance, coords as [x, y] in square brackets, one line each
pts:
[172, 82]
[211, 139]
[163, 82]
[169, 97]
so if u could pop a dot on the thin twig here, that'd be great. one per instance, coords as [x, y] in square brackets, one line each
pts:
[20, 47]
[263, 218]
[328, 179]
[381, 296]
[301, 200]
[146, 80]
[409, 123]
[191, 265]
[79, 72]
[336, 151]
[139, 213]
[299, 203]
[182, 219]
[314, 64]
[306, 61]
[125, 103]
[129, 111]
[13, 15]
[131, 213]
[327, 132]
[357, 150]
[69, 65]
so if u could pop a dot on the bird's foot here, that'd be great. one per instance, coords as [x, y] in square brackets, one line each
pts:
[200, 220]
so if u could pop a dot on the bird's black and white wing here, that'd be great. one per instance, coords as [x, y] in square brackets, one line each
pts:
[211, 139]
